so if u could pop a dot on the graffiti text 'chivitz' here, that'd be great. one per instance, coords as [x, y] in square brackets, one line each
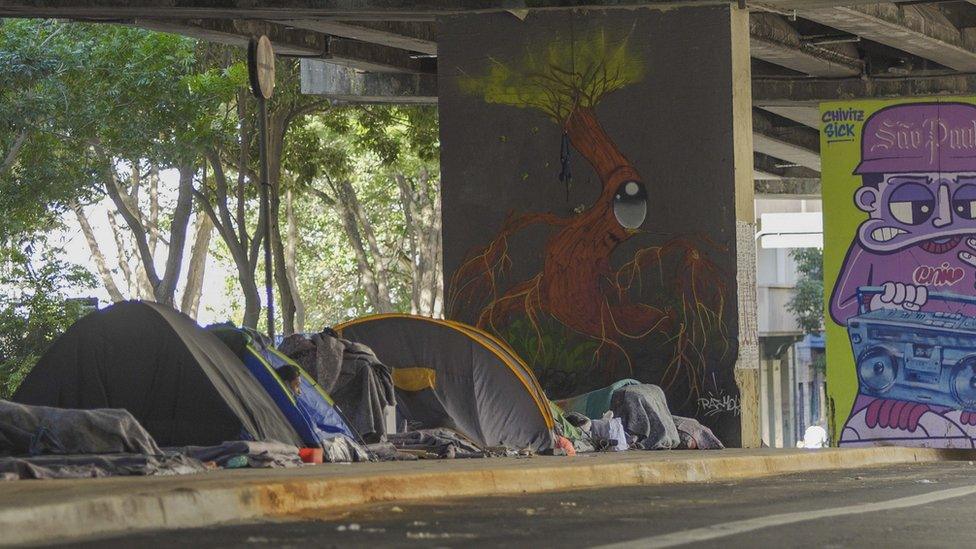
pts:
[839, 124]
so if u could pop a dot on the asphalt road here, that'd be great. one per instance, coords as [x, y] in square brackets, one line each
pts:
[930, 505]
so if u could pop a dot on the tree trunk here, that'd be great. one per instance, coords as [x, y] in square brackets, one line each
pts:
[96, 251]
[277, 126]
[577, 257]
[135, 282]
[133, 220]
[153, 207]
[165, 291]
[203, 228]
[375, 253]
[291, 267]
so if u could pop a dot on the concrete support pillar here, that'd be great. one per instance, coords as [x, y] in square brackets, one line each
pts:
[789, 399]
[747, 364]
[584, 217]
[765, 398]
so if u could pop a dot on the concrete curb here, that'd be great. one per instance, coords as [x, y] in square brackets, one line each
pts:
[233, 499]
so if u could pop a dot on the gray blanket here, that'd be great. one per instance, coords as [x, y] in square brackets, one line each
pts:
[258, 455]
[318, 354]
[40, 442]
[92, 466]
[36, 430]
[645, 414]
[360, 384]
[445, 443]
[364, 390]
[695, 436]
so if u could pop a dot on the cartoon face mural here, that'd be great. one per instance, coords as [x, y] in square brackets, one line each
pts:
[905, 290]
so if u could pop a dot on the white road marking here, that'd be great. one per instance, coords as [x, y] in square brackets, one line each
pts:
[742, 526]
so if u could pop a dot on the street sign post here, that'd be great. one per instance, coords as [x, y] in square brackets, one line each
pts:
[261, 71]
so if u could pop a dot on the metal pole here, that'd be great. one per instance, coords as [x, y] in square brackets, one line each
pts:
[266, 202]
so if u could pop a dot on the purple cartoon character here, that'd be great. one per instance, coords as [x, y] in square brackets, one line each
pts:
[918, 173]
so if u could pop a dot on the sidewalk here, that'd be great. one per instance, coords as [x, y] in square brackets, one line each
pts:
[44, 511]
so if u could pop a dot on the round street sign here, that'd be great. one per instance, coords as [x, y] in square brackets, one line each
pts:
[261, 67]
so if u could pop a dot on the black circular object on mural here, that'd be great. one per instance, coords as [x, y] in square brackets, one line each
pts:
[630, 204]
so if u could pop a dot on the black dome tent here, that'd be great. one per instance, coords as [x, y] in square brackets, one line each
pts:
[180, 381]
[448, 374]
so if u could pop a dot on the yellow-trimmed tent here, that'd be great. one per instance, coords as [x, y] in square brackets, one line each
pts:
[449, 374]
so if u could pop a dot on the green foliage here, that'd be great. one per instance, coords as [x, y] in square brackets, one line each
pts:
[33, 308]
[88, 96]
[369, 147]
[562, 361]
[561, 75]
[807, 302]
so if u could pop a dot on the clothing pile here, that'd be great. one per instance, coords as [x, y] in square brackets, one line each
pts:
[359, 383]
[628, 414]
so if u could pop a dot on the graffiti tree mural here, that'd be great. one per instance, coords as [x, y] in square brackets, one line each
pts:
[578, 286]
[598, 285]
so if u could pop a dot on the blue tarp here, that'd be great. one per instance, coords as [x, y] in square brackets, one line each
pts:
[312, 413]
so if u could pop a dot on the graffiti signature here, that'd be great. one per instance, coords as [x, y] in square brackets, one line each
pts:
[718, 404]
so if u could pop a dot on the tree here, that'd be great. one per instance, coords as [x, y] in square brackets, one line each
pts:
[807, 302]
[577, 285]
[33, 308]
[41, 167]
[233, 158]
[114, 104]
[377, 179]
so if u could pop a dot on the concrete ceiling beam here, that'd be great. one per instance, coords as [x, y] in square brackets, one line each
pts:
[808, 116]
[344, 84]
[349, 10]
[919, 30]
[789, 188]
[776, 41]
[769, 168]
[376, 58]
[797, 145]
[239, 32]
[297, 42]
[809, 92]
[410, 36]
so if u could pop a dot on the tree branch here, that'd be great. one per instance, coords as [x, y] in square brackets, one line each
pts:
[99, 257]
[8, 161]
[135, 226]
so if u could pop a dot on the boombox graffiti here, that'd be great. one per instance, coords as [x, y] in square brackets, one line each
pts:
[921, 357]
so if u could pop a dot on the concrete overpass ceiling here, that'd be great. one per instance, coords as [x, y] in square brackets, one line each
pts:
[784, 139]
[921, 29]
[804, 51]
[808, 116]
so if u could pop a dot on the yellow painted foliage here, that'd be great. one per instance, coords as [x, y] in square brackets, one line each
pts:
[561, 75]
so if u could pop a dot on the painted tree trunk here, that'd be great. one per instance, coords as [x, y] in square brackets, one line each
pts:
[576, 283]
